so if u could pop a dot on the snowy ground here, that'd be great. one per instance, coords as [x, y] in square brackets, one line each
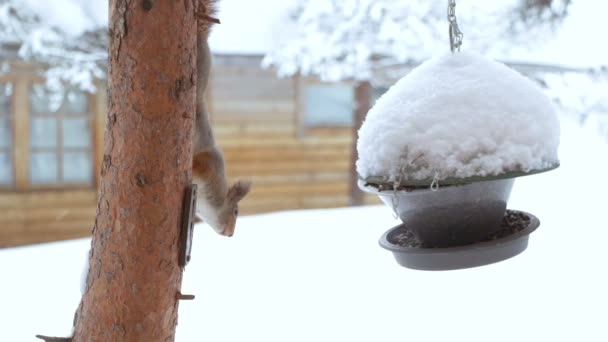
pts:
[320, 275]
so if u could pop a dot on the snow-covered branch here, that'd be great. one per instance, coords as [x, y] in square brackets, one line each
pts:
[71, 60]
[343, 39]
[347, 39]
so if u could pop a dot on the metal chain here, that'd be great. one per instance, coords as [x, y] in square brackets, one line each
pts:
[456, 35]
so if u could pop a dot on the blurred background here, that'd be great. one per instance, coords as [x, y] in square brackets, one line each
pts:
[291, 83]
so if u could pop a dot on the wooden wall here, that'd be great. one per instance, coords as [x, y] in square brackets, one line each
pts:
[31, 214]
[256, 119]
[43, 216]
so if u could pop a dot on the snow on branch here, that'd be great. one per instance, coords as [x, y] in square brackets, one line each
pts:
[347, 39]
[71, 61]
[370, 39]
[545, 10]
[343, 39]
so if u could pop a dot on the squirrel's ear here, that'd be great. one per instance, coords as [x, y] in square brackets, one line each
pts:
[238, 190]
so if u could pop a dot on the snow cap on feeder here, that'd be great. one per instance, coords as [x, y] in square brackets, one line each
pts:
[458, 116]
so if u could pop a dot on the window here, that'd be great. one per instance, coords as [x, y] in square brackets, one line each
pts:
[329, 105]
[60, 138]
[6, 135]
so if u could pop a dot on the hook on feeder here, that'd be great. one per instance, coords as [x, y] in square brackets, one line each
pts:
[435, 183]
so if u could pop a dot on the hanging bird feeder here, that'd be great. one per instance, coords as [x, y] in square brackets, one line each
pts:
[442, 149]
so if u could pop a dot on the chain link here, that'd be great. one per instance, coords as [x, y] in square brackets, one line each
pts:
[456, 35]
[435, 183]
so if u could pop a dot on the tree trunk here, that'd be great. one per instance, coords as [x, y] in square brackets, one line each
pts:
[363, 97]
[134, 276]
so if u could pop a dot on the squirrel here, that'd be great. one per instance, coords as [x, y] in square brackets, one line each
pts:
[217, 203]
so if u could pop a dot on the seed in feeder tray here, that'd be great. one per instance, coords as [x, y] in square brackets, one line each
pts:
[512, 223]
[404, 238]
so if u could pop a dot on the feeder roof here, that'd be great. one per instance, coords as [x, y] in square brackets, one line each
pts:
[458, 116]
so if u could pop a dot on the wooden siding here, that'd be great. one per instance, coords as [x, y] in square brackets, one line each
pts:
[36, 217]
[29, 215]
[257, 121]
[255, 118]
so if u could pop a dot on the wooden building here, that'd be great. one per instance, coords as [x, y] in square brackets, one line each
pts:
[50, 150]
[292, 137]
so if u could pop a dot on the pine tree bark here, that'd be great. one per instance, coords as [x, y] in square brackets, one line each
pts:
[134, 276]
[363, 97]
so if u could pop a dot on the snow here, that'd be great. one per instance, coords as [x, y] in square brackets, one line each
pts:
[578, 42]
[458, 115]
[72, 17]
[320, 275]
[265, 32]
[68, 35]
[249, 27]
[339, 40]
[343, 40]
[269, 27]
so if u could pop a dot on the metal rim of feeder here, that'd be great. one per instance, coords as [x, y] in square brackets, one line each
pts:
[385, 183]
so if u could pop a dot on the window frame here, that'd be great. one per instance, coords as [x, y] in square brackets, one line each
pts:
[60, 149]
[10, 116]
[22, 81]
[303, 129]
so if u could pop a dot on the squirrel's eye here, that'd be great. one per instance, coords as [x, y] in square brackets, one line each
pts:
[236, 212]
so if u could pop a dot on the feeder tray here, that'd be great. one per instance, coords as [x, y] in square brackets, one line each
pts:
[490, 250]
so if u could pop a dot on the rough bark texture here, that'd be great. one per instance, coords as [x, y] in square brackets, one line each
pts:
[363, 97]
[134, 277]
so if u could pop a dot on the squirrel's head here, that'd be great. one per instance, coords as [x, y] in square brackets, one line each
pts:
[225, 221]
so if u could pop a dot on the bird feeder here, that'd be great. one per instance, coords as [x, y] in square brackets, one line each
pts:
[442, 149]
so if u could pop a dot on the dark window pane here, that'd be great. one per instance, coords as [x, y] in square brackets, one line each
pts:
[43, 133]
[6, 92]
[43, 168]
[77, 167]
[77, 102]
[76, 133]
[6, 135]
[329, 105]
[6, 168]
